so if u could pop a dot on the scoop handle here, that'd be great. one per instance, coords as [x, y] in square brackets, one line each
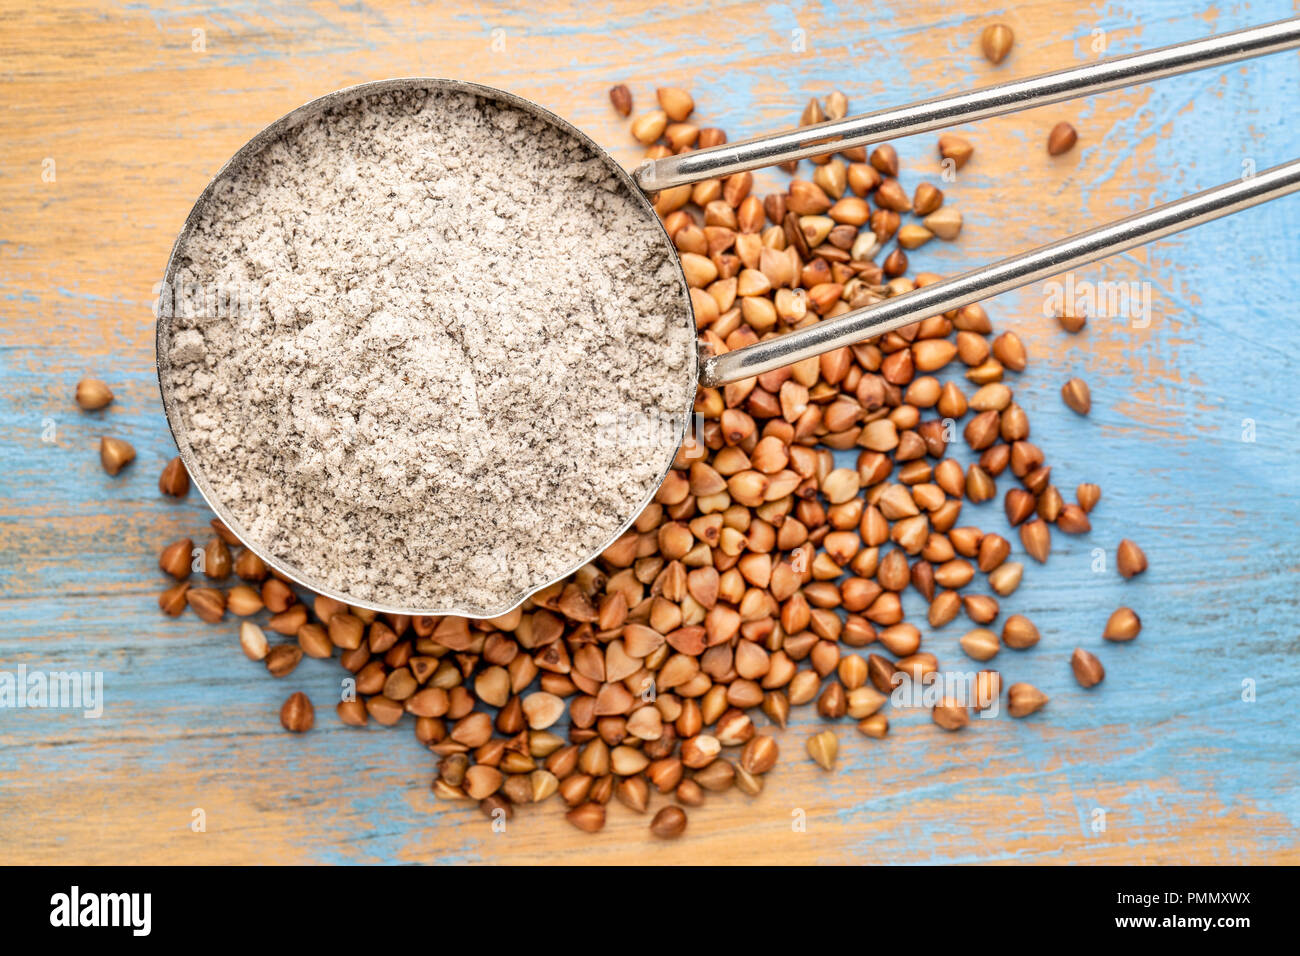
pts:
[868, 128]
[1011, 273]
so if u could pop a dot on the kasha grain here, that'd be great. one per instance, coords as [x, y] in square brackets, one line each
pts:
[460, 325]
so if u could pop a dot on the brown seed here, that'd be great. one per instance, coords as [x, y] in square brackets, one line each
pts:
[759, 754]
[944, 608]
[172, 601]
[877, 726]
[669, 822]
[832, 704]
[648, 127]
[243, 601]
[289, 621]
[1088, 495]
[1024, 699]
[208, 603]
[174, 480]
[955, 148]
[982, 430]
[716, 777]
[92, 394]
[481, 781]
[1129, 559]
[927, 199]
[282, 659]
[115, 454]
[1073, 520]
[950, 715]
[1037, 539]
[544, 784]
[1071, 321]
[1019, 505]
[824, 748]
[1061, 139]
[980, 608]
[1005, 578]
[589, 817]
[252, 640]
[353, 713]
[980, 644]
[996, 41]
[1019, 632]
[1010, 351]
[175, 558]
[1087, 669]
[1076, 395]
[711, 136]
[216, 559]
[677, 103]
[297, 714]
[277, 595]
[1123, 625]
[979, 486]
[621, 97]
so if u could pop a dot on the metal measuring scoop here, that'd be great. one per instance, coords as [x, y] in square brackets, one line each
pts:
[852, 327]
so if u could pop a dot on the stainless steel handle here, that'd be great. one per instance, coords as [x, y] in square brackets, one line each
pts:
[718, 161]
[1014, 272]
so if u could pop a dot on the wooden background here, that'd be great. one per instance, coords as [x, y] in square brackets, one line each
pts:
[136, 118]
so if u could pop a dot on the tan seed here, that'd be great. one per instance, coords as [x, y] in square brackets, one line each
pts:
[648, 127]
[243, 601]
[996, 41]
[208, 603]
[589, 817]
[1129, 559]
[669, 822]
[1024, 699]
[824, 748]
[1076, 395]
[1061, 139]
[282, 659]
[1087, 669]
[172, 601]
[1005, 578]
[950, 715]
[621, 98]
[1123, 625]
[1019, 632]
[252, 640]
[1088, 496]
[115, 454]
[877, 726]
[945, 223]
[92, 394]
[174, 480]
[297, 714]
[676, 103]
[956, 149]
[176, 558]
[1037, 539]
[980, 644]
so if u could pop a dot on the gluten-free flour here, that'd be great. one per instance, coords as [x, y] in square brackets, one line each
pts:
[456, 355]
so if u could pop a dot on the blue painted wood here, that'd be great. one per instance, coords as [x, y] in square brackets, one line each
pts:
[1193, 438]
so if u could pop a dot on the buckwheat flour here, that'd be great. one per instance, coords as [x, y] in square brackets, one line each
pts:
[452, 380]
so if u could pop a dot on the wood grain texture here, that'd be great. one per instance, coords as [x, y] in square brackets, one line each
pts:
[136, 120]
